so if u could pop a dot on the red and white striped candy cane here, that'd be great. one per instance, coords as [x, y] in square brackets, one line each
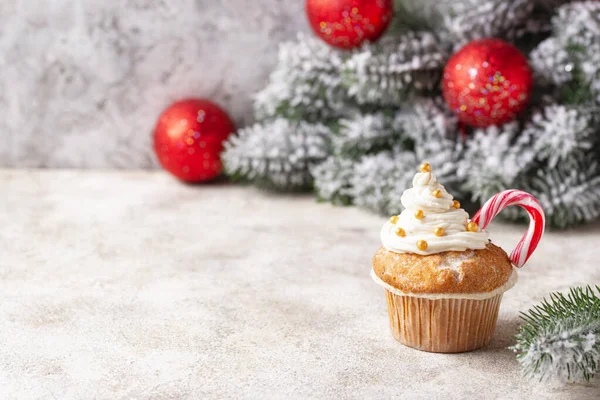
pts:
[537, 220]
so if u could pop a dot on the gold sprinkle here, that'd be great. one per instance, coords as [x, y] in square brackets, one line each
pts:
[439, 231]
[425, 167]
[394, 219]
[419, 214]
[472, 227]
[422, 245]
[437, 193]
[456, 204]
[400, 232]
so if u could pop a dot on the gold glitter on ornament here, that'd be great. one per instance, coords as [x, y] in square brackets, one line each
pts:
[425, 167]
[472, 227]
[419, 214]
[400, 232]
[422, 245]
[394, 219]
[456, 204]
[439, 231]
[437, 193]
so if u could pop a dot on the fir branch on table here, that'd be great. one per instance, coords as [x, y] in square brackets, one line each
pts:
[278, 154]
[560, 338]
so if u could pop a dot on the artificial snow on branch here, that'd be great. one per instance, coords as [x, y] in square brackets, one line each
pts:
[379, 180]
[560, 338]
[495, 157]
[366, 133]
[570, 58]
[561, 133]
[333, 180]
[388, 72]
[474, 19]
[277, 154]
[434, 133]
[569, 193]
[306, 83]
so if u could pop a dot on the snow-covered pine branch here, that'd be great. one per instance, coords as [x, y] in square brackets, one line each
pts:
[434, 133]
[569, 192]
[360, 135]
[493, 160]
[468, 20]
[379, 180]
[551, 63]
[560, 339]
[570, 58]
[561, 133]
[366, 133]
[388, 72]
[305, 84]
[278, 153]
[552, 157]
[333, 180]
[423, 132]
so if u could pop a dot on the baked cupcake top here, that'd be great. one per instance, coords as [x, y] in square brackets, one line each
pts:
[472, 273]
[432, 221]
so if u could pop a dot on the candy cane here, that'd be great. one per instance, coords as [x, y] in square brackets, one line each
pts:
[537, 220]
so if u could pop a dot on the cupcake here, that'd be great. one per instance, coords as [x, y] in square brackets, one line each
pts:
[443, 278]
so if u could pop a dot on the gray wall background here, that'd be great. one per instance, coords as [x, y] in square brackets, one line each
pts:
[83, 81]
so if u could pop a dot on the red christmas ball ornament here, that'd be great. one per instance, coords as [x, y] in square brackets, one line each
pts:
[348, 23]
[188, 139]
[487, 82]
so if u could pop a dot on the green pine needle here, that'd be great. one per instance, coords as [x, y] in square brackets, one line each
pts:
[560, 338]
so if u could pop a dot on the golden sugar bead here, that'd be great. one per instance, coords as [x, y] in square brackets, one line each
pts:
[394, 219]
[400, 232]
[437, 193]
[425, 167]
[439, 231]
[456, 204]
[419, 214]
[472, 227]
[422, 245]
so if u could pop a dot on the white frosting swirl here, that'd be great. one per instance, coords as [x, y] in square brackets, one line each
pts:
[438, 213]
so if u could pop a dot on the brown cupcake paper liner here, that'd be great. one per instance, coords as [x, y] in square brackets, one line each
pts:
[442, 325]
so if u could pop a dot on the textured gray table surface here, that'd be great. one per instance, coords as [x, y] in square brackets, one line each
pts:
[131, 285]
